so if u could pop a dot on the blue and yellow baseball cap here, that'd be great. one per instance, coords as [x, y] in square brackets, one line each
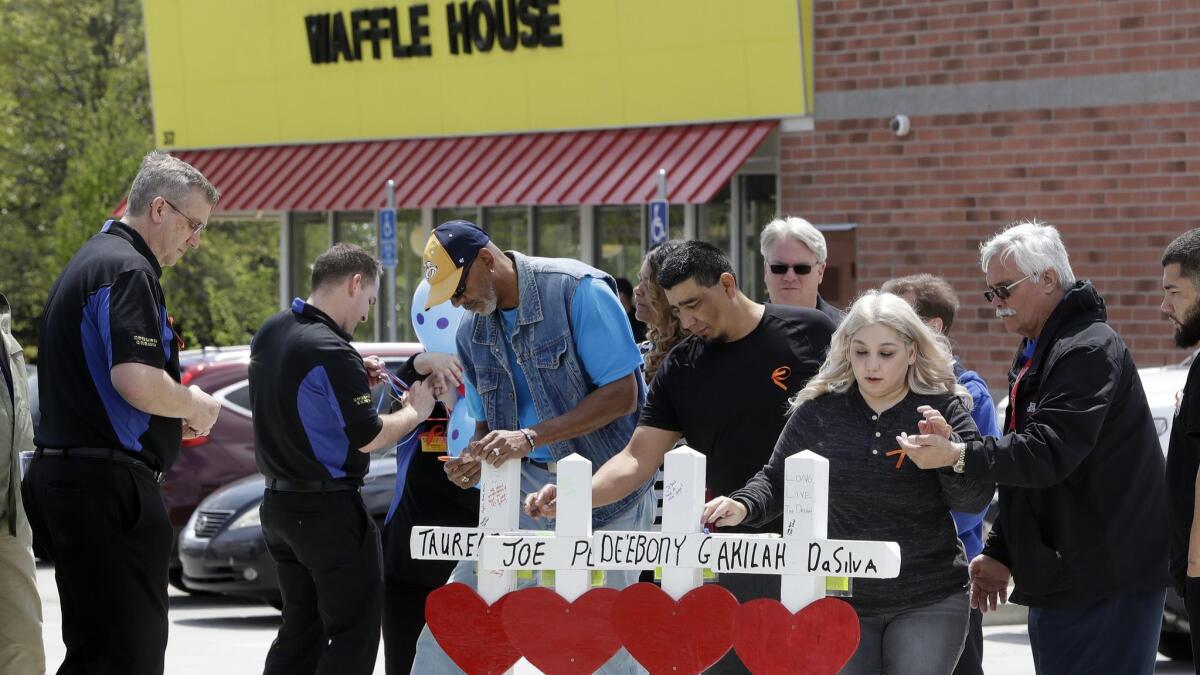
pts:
[451, 248]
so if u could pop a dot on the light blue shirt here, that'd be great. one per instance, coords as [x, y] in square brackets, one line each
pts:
[603, 340]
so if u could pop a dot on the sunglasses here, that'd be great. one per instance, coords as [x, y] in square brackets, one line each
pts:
[196, 225]
[799, 268]
[462, 281]
[1002, 291]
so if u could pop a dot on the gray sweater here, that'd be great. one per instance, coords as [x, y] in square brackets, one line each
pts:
[870, 499]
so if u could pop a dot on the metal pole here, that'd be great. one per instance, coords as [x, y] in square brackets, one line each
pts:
[662, 184]
[390, 293]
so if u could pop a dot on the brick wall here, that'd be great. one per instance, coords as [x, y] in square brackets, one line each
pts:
[1120, 183]
[869, 44]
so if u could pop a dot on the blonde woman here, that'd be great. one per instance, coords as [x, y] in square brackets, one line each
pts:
[886, 375]
[650, 306]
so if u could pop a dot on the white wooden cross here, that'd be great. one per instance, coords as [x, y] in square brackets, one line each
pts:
[802, 555]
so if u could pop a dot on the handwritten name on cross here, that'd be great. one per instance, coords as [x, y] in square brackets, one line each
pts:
[803, 556]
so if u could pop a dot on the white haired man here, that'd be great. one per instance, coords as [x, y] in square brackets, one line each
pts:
[1083, 517]
[794, 254]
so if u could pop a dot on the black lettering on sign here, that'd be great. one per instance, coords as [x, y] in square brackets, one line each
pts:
[317, 27]
[339, 41]
[506, 24]
[418, 31]
[457, 21]
[547, 22]
[483, 25]
[472, 25]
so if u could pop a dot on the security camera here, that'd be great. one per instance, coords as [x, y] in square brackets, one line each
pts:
[900, 125]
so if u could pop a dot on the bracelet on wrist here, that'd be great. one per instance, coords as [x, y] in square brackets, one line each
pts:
[528, 437]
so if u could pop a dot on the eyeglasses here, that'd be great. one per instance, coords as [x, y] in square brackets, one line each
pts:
[462, 281]
[799, 268]
[197, 226]
[1002, 291]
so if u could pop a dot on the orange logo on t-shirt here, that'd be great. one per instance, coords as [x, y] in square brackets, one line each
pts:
[779, 375]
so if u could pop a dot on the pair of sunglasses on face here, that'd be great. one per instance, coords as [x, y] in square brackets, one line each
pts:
[800, 269]
[1003, 291]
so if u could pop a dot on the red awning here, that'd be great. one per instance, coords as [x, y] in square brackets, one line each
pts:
[615, 166]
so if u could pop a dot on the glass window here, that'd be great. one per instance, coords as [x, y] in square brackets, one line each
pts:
[310, 238]
[557, 232]
[675, 221]
[358, 228]
[411, 236]
[712, 221]
[508, 227]
[467, 213]
[240, 397]
[758, 209]
[619, 240]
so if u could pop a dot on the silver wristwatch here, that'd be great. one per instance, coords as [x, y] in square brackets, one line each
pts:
[961, 465]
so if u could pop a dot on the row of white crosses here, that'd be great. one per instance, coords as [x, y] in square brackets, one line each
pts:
[802, 556]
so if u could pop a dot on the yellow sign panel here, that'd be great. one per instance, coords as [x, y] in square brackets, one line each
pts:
[266, 72]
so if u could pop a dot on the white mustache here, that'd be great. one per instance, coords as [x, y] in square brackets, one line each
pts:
[1005, 312]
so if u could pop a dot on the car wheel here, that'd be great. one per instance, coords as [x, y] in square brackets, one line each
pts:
[1175, 646]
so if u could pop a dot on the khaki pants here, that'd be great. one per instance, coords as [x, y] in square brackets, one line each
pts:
[21, 648]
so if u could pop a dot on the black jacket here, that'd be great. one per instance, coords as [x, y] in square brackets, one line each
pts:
[1083, 515]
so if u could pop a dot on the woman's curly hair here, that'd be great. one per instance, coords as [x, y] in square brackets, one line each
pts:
[664, 332]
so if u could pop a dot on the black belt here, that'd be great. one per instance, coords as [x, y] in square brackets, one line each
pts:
[545, 466]
[289, 485]
[100, 453]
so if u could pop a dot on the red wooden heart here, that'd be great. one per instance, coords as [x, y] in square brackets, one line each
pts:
[559, 636]
[666, 636]
[471, 632]
[818, 639]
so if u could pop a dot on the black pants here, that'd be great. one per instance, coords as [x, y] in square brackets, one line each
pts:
[405, 590]
[971, 660]
[330, 573]
[105, 526]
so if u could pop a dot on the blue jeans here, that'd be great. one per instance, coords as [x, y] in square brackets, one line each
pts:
[1116, 635]
[432, 660]
[922, 640]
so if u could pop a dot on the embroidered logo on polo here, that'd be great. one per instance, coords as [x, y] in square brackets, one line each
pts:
[779, 375]
[143, 341]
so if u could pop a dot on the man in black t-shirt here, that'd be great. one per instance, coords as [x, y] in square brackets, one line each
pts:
[725, 388]
[1181, 289]
[113, 416]
[314, 424]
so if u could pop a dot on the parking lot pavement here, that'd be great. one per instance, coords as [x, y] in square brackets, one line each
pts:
[231, 637]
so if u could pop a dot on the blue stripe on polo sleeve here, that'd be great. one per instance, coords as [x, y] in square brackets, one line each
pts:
[95, 329]
[322, 419]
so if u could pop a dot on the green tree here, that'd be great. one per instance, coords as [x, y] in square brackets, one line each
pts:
[221, 293]
[74, 94]
[75, 97]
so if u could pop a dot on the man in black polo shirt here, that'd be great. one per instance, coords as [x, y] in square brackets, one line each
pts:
[314, 423]
[112, 405]
[725, 388]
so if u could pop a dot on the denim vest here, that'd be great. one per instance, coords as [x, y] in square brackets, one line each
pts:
[545, 352]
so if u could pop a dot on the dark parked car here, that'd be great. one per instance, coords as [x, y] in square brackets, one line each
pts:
[221, 546]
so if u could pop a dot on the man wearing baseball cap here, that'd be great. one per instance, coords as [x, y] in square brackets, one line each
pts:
[551, 369]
